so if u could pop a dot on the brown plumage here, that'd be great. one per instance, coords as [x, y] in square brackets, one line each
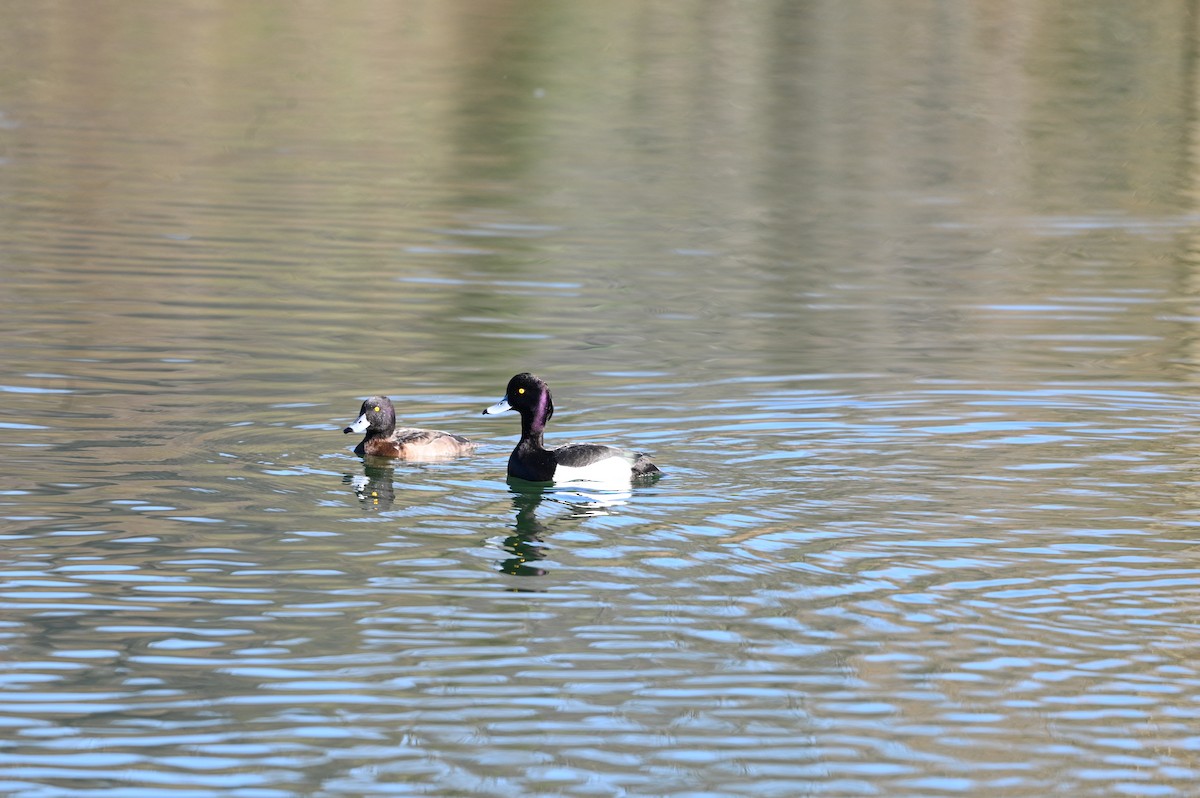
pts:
[377, 418]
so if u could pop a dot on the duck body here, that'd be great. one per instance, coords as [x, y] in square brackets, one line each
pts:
[572, 462]
[377, 418]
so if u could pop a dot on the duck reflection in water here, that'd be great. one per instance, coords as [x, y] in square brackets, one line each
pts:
[375, 487]
[526, 544]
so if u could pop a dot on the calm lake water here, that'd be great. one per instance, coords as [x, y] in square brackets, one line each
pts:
[904, 298]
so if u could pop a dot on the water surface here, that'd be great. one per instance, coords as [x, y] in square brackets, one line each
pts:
[902, 300]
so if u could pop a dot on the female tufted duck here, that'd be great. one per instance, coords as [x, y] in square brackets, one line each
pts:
[377, 418]
[531, 461]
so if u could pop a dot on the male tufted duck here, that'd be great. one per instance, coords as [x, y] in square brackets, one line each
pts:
[531, 461]
[377, 418]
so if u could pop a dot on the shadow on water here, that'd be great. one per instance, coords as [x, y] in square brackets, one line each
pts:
[563, 505]
[375, 488]
[526, 542]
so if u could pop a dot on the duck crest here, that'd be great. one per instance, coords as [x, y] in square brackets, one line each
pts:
[543, 411]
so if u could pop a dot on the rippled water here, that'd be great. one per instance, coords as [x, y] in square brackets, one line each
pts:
[903, 303]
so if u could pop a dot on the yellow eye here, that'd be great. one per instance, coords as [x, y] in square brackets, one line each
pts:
[376, 408]
[520, 390]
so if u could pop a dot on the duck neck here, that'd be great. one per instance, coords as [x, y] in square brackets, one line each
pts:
[533, 423]
[532, 428]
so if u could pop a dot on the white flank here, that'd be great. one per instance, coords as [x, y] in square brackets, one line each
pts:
[609, 471]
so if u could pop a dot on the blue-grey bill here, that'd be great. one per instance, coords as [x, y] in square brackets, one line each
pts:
[358, 426]
[500, 407]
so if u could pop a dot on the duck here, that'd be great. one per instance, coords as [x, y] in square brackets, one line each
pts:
[377, 418]
[573, 462]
